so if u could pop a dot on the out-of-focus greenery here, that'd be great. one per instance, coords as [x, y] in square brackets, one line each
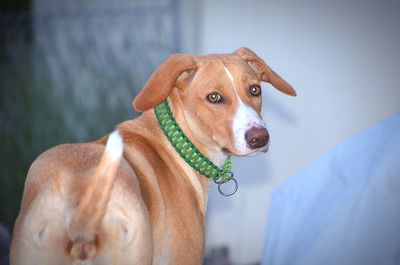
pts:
[69, 77]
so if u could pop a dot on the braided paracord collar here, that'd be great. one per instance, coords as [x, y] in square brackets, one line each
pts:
[190, 153]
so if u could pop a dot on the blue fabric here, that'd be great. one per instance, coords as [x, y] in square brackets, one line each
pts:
[344, 209]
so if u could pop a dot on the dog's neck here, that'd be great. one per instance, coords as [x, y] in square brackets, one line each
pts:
[198, 137]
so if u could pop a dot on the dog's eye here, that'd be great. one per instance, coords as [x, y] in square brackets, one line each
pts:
[255, 90]
[214, 97]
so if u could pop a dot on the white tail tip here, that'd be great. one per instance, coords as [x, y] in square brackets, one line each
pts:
[115, 145]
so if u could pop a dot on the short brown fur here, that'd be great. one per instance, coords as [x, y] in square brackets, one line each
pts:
[156, 203]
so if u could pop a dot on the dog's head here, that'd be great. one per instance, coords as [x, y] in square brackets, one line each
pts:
[219, 95]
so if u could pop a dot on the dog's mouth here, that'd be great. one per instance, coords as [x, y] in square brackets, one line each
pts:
[257, 151]
[227, 151]
[252, 152]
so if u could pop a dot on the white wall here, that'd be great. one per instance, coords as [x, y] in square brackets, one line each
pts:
[343, 57]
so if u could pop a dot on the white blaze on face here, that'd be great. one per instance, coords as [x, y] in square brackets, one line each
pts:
[244, 118]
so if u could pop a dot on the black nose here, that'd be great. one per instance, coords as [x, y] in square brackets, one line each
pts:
[257, 137]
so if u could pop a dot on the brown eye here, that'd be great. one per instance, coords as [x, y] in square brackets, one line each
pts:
[255, 90]
[214, 97]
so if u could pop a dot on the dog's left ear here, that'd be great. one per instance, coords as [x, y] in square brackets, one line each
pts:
[162, 80]
[266, 73]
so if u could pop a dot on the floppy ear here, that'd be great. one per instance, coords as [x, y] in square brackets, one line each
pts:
[267, 74]
[162, 80]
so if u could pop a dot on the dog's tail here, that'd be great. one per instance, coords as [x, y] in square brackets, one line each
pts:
[85, 223]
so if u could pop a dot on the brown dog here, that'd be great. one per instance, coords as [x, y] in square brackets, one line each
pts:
[87, 204]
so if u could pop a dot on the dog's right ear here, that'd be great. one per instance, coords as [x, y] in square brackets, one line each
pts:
[163, 79]
[267, 74]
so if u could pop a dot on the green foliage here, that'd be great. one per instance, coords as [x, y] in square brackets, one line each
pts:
[34, 116]
[73, 81]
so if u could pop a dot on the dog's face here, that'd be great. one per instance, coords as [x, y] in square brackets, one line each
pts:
[224, 101]
[220, 96]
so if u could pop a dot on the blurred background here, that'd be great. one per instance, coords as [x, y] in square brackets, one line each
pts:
[69, 70]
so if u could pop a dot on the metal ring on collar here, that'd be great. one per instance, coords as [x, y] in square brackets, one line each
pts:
[222, 179]
[228, 193]
[218, 180]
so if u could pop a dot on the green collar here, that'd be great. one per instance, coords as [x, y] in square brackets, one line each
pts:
[188, 151]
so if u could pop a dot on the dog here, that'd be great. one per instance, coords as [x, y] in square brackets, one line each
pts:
[133, 197]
